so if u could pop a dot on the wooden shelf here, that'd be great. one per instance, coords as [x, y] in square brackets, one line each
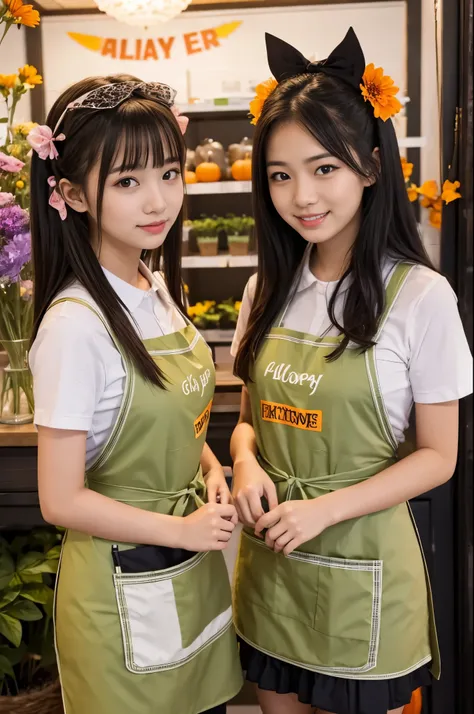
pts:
[220, 261]
[218, 187]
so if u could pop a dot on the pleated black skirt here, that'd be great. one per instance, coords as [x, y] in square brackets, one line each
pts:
[334, 694]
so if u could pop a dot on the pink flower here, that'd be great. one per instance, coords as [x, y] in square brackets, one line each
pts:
[41, 140]
[182, 120]
[6, 198]
[9, 163]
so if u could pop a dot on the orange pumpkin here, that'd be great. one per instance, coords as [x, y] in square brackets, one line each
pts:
[190, 177]
[242, 169]
[416, 703]
[208, 171]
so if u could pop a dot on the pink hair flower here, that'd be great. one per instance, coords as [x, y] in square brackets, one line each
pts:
[42, 141]
[182, 120]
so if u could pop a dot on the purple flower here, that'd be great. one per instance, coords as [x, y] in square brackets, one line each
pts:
[14, 255]
[13, 220]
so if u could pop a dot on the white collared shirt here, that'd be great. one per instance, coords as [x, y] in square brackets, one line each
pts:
[422, 354]
[78, 374]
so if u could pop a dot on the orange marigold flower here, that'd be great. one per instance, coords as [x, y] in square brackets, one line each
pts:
[412, 192]
[406, 168]
[435, 218]
[29, 75]
[8, 81]
[22, 14]
[450, 192]
[429, 189]
[263, 92]
[380, 91]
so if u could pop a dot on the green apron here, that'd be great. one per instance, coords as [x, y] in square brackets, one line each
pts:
[158, 642]
[354, 602]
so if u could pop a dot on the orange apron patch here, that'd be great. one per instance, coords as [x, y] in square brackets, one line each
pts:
[202, 421]
[309, 420]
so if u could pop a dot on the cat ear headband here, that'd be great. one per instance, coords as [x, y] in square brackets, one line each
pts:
[346, 62]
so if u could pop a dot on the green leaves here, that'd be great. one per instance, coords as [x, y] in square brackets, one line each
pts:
[28, 564]
[11, 629]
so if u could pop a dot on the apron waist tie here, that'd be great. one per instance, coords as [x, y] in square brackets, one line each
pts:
[134, 496]
[331, 482]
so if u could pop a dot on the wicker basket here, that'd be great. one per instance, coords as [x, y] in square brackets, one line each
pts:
[46, 700]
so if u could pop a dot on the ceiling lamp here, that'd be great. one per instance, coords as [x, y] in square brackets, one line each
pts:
[143, 13]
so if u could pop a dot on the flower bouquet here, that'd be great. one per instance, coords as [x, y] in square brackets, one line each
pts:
[16, 313]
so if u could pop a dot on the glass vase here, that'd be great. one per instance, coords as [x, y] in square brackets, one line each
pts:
[16, 393]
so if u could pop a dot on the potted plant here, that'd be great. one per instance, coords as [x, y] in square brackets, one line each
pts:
[28, 675]
[211, 315]
[206, 233]
[238, 230]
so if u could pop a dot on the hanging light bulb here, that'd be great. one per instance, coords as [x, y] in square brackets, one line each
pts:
[143, 13]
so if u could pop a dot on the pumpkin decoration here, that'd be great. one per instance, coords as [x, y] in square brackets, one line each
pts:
[416, 703]
[208, 171]
[242, 169]
[240, 151]
[210, 149]
[190, 177]
[190, 160]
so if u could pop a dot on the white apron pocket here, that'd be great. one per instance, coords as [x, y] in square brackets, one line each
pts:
[152, 630]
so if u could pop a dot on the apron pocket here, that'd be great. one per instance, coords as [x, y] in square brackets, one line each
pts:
[325, 610]
[156, 633]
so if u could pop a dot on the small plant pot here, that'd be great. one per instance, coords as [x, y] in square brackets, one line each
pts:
[208, 246]
[238, 245]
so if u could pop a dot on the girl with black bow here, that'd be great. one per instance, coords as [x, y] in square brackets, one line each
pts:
[336, 341]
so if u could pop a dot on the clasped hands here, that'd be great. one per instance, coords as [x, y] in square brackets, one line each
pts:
[287, 525]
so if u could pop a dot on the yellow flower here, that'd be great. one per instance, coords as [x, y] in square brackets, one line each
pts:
[380, 91]
[22, 14]
[8, 81]
[24, 129]
[238, 305]
[450, 192]
[20, 184]
[263, 92]
[22, 291]
[412, 192]
[406, 168]
[186, 289]
[29, 75]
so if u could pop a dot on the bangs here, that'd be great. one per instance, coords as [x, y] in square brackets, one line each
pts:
[145, 136]
[140, 134]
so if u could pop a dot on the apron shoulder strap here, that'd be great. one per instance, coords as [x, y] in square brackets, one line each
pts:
[93, 308]
[395, 283]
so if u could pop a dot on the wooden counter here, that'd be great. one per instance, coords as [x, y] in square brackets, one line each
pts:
[26, 435]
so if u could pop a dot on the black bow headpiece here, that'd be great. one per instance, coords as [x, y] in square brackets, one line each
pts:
[346, 62]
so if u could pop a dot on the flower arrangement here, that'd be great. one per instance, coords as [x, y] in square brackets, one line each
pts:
[16, 287]
[211, 315]
[431, 197]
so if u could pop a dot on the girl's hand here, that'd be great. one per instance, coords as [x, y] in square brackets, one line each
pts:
[251, 483]
[208, 528]
[217, 488]
[293, 523]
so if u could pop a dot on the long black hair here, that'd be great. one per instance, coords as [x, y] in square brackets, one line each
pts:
[62, 251]
[339, 119]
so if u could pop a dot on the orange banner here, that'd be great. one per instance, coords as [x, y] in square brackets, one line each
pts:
[159, 48]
